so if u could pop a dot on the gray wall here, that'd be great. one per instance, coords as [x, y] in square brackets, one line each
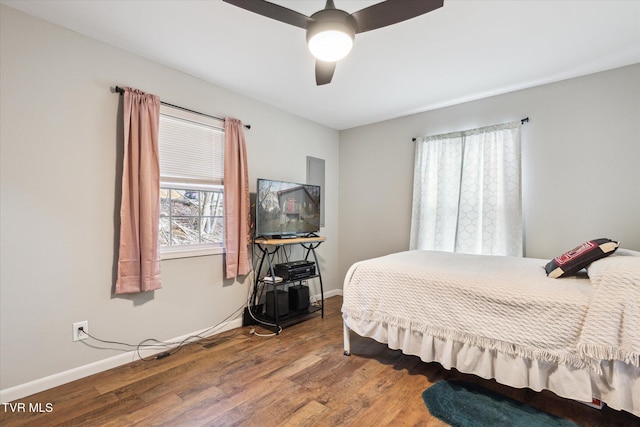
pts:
[581, 166]
[58, 209]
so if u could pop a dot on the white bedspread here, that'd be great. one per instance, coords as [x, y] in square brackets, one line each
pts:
[506, 304]
[502, 318]
[612, 327]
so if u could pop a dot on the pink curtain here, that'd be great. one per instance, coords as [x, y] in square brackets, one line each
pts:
[236, 200]
[139, 259]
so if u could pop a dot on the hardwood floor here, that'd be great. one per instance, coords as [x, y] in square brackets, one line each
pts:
[299, 378]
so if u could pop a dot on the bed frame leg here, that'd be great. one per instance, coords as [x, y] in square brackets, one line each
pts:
[347, 339]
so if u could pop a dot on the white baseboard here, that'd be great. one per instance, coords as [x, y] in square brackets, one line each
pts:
[36, 386]
[42, 384]
[332, 293]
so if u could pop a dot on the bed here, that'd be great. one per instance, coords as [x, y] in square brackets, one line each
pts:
[504, 318]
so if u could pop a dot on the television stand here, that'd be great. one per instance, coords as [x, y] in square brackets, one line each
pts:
[282, 308]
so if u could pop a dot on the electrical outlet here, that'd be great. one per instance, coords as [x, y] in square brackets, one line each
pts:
[77, 333]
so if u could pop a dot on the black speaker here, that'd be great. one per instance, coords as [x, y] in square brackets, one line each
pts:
[282, 301]
[298, 298]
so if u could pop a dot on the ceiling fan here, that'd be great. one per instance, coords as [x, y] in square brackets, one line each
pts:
[330, 32]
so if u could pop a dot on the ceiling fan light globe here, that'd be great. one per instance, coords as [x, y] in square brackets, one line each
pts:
[330, 45]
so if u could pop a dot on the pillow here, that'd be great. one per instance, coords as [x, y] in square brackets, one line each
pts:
[579, 257]
[626, 252]
[615, 267]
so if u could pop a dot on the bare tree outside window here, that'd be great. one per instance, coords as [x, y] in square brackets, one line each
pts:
[191, 217]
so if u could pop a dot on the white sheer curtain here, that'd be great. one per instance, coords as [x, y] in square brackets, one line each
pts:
[467, 193]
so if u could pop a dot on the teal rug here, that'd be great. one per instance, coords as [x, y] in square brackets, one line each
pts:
[467, 405]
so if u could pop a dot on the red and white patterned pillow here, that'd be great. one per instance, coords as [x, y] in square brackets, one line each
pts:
[576, 259]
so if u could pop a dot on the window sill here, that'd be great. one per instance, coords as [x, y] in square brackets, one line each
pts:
[173, 253]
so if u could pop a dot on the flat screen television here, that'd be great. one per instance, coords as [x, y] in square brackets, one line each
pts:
[286, 209]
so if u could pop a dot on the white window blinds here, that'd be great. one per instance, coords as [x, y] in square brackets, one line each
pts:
[191, 152]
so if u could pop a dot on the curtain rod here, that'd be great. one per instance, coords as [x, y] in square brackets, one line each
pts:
[121, 91]
[522, 121]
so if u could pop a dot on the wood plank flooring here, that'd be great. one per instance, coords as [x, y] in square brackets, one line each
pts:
[299, 378]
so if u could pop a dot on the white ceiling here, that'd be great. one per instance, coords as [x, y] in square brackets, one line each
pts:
[466, 50]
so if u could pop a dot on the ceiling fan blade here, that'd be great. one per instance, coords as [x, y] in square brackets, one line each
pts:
[324, 72]
[391, 12]
[273, 11]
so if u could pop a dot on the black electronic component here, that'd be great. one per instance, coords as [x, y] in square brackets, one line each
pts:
[295, 270]
[282, 298]
[298, 298]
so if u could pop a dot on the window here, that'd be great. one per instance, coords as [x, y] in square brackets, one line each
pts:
[191, 183]
[466, 194]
